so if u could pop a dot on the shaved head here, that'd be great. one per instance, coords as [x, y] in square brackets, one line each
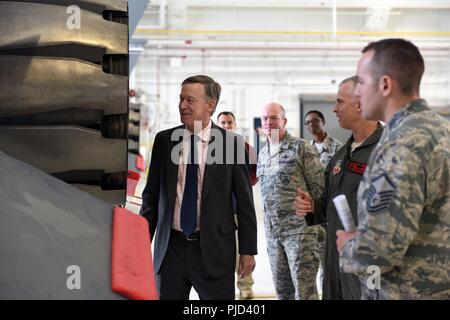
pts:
[273, 120]
[277, 108]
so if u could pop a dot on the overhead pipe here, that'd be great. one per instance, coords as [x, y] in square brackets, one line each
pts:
[144, 30]
[331, 45]
[213, 53]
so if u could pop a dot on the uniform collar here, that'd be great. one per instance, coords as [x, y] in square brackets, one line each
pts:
[327, 143]
[284, 143]
[410, 108]
[373, 138]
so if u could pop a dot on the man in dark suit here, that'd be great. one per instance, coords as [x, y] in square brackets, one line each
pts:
[227, 121]
[188, 201]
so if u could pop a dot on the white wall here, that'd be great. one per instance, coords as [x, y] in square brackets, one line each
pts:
[263, 51]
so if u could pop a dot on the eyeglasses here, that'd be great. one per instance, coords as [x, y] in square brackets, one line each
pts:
[313, 121]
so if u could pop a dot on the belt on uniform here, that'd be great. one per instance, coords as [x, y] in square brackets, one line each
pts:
[182, 236]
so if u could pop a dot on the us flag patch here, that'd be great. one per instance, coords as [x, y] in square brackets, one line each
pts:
[380, 194]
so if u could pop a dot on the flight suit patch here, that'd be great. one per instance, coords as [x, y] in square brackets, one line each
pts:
[337, 167]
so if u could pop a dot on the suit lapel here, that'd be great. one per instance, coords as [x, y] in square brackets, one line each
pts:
[208, 178]
[210, 169]
[172, 176]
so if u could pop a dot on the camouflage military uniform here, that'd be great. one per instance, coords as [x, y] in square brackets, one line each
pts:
[404, 210]
[291, 244]
[330, 147]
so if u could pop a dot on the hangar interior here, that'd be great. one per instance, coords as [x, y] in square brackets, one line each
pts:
[85, 85]
[288, 51]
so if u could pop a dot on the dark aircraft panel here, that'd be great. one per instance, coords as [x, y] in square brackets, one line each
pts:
[57, 149]
[37, 84]
[26, 24]
[55, 240]
[64, 90]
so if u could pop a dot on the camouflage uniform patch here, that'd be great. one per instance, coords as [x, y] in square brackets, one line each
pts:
[380, 194]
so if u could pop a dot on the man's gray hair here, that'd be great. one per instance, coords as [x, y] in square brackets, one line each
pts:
[212, 88]
[353, 79]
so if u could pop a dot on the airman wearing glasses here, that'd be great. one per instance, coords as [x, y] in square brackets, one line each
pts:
[326, 146]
